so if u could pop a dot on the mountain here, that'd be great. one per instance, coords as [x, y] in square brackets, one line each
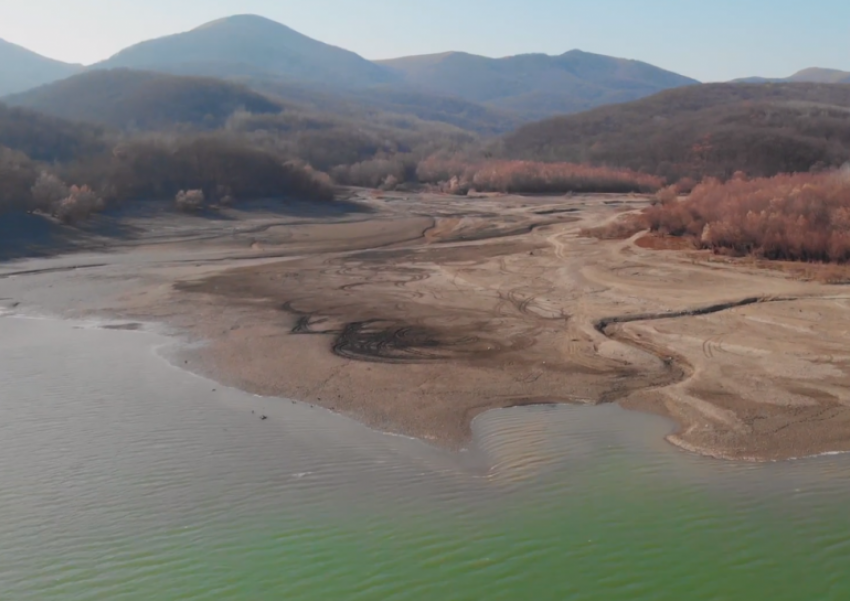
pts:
[712, 129]
[21, 69]
[817, 75]
[248, 45]
[391, 103]
[124, 98]
[484, 95]
[811, 75]
[536, 85]
[520, 88]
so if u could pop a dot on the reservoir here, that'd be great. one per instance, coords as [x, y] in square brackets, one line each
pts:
[124, 477]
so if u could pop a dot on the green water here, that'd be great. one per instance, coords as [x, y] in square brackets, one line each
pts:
[122, 478]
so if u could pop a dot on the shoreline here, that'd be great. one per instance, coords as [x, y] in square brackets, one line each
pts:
[173, 341]
[423, 311]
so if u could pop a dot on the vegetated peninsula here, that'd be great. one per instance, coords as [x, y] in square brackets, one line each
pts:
[415, 251]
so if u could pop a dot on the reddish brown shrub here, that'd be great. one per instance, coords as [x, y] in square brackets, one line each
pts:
[80, 203]
[457, 176]
[801, 217]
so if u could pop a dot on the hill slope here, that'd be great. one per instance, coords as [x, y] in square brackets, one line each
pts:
[812, 75]
[21, 69]
[390, 103]
[713, 129]
[817, 75]
[484, 95]
[250, 45]
[140, 99]
[45, 138]
[536, 85]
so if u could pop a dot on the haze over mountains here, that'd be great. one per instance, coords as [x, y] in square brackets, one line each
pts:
[477, 93]
[536, 84]
[274, 58]
[258, 90]
[128, 99]
[21, 69]
[250, 46]
[713, 129]
[810, 75]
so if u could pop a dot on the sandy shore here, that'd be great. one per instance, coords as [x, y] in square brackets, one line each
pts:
[415, 313]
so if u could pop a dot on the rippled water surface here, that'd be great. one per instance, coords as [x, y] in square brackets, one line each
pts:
[124, 478]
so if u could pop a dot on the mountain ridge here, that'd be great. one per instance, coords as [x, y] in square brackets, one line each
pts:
[528, 86]
[482, 94]
[535, 83]
[145, 100]
[248, 44]
[808, 75]
[22, 69]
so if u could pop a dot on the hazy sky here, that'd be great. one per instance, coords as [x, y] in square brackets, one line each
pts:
[707, 39]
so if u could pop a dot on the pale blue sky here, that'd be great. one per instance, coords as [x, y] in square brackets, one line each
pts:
[707, 39]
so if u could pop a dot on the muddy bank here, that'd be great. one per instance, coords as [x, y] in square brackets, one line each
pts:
[416, 313]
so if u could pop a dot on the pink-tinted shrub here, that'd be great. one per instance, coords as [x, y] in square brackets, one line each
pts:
[800, 217]
[457, 176]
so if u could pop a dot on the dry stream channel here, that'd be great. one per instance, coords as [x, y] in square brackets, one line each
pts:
[148, 449]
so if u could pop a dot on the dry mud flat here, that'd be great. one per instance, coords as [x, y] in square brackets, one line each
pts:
[424, 311]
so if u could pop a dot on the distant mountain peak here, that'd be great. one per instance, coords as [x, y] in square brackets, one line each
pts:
[809, 75]
[22, 69]
[820, 75]
[246, 21]
[536, 85]
[251, 46]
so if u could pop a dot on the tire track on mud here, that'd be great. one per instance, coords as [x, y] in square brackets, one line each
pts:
[48, 270]
[679, 368]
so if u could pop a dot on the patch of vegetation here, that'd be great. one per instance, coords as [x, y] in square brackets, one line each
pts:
[799, 217]
[45, 138]
[459, 177]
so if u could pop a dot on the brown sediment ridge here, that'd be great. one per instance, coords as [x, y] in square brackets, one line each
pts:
[429, 310]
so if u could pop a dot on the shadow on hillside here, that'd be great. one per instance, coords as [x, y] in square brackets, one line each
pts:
[25, 235]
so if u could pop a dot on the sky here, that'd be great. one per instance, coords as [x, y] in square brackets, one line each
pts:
[710, 40]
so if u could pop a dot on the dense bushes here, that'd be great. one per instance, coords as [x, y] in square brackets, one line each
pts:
[79, 204]
[802, 217]
[23, 188]
[45, 138]
[160, 168]
[17, 175]
[377, 173]
[220, 167]
[190, 200]
[458, 177]
[329, 142]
